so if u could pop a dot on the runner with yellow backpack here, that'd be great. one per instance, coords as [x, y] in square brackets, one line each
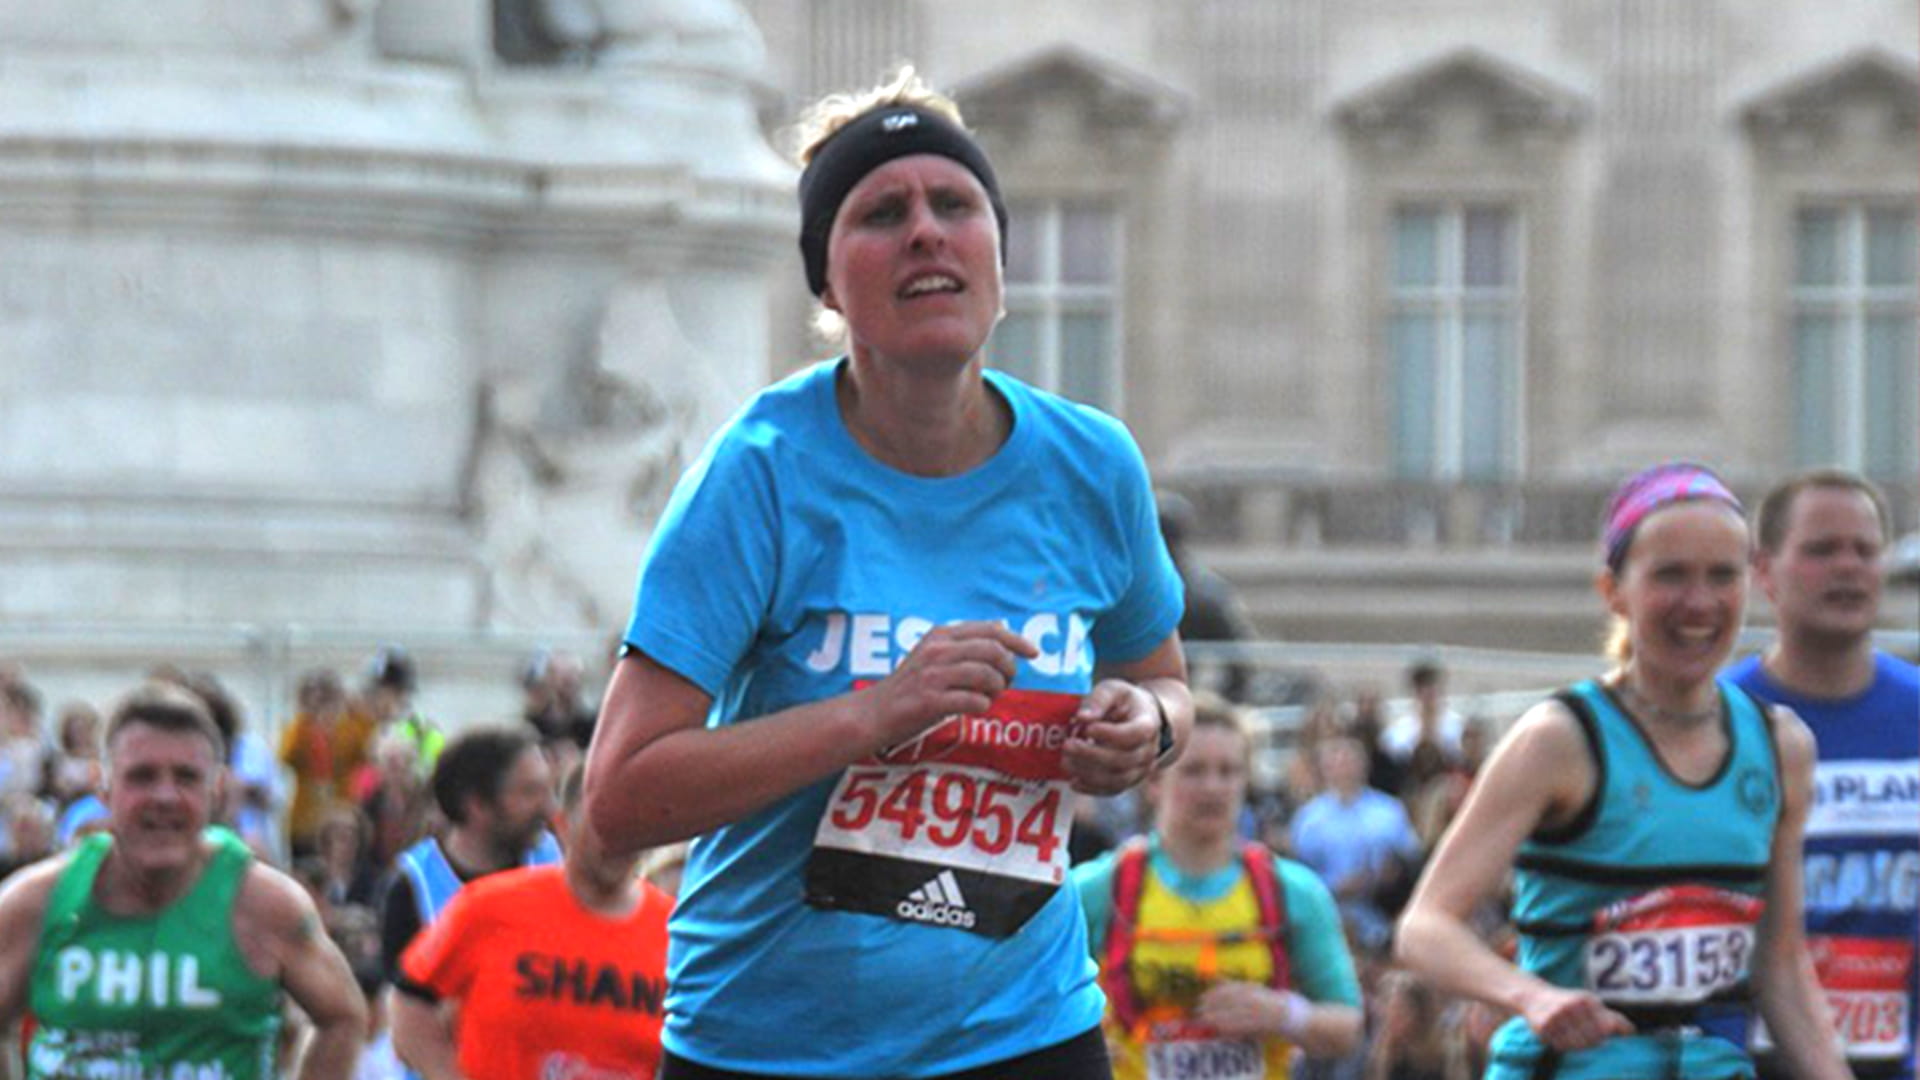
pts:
[1218, 957]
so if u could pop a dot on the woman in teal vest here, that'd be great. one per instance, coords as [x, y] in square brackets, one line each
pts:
[1652, 821]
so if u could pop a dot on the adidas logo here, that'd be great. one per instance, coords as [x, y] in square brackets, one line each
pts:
[938, 902]
[899, 122]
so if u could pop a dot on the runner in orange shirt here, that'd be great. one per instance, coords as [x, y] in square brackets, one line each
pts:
[549, 971]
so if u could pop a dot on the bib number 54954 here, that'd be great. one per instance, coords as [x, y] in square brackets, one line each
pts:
[950, 808]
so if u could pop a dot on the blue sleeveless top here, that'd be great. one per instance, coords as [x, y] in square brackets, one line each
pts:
[1650, 897]
[435, 882]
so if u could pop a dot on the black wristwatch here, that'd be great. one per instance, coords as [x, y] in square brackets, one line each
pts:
[1166, 728]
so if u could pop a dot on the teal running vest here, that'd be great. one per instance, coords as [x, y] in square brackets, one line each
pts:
[1650, 898]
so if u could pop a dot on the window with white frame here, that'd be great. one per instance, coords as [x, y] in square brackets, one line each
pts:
[1855, 349]
[1454, 341]
[1062, 330]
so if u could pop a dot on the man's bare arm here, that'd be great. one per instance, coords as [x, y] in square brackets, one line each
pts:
[423, 1038]
[23, 907]
[309, 966]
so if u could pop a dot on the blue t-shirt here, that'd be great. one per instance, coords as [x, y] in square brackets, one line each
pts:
[78, 814]
[1862, 869]
[1339, 839]
[790, 567]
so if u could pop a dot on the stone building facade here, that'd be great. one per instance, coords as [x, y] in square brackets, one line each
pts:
[331, 322]
[1397, 291]
[330, 315]
[399, 317]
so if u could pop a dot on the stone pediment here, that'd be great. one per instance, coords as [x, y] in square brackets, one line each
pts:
[1510, 97]
[1105, 92]
[1870, 79]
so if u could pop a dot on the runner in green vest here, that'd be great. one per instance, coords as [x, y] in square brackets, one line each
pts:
[160, 950]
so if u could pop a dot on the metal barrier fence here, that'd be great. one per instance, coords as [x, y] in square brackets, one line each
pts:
[1281, 682]
[468, 677]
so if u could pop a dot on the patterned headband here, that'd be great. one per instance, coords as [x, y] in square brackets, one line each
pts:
[1645, 492]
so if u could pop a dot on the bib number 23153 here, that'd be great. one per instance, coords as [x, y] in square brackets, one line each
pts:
[1680, 945]
[964, 827]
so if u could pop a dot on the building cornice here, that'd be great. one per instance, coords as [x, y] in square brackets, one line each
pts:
[1513, 97]
[1112, 95]
[1814, 101]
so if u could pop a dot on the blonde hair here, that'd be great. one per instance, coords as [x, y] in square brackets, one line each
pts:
[1617, 646]
[1211, 710]
[835, 111]
[819, 121]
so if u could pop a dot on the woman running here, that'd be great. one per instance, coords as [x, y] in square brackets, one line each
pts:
[1652, 820]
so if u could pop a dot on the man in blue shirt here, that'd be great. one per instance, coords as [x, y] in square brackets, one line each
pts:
[1822, 535]
[1358, 839]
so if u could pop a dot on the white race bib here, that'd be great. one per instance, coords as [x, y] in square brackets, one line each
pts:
[964, 827]
[1866, 982]
[1206, 1059]
[1673, 946]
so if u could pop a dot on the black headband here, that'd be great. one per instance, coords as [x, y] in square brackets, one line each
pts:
[865, 144]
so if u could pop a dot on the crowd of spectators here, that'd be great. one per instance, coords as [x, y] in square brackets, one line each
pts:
[345, 791]
[1362, 800]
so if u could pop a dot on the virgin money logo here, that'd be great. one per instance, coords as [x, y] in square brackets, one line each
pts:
[1842, 956]
[933, 744]
[994, 734]
[1679, 905]
[561, 1065]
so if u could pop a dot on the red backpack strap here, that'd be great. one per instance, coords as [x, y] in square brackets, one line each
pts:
[1116, 975]
[1271, 896]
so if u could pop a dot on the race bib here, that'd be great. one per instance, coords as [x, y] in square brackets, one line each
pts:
[1866, 984]
[964, 827]
[1674, 946]
[561, 1065]
[1206, 1059]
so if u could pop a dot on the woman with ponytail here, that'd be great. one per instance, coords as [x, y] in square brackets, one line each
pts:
[1652, 822]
